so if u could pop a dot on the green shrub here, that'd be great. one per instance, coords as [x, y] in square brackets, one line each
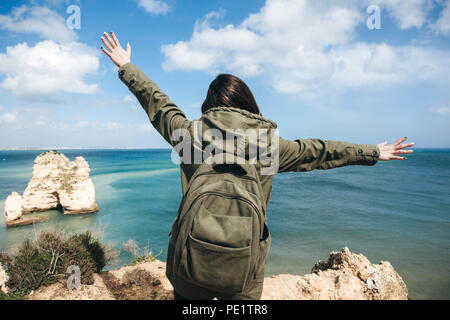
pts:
[66, 183]
[50, 152]
[139, 255]
[45, 260]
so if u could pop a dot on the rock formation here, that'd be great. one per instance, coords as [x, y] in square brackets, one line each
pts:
[344, 276]
[3, 287]
[56, 182]
[145, 281]
[13, 207]
[13, 212]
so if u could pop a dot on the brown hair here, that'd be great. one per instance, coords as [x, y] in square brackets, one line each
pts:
[227, 90]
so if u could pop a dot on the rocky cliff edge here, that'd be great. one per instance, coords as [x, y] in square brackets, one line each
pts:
[344, 276]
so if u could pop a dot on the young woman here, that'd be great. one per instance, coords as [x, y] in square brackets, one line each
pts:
[230, 105]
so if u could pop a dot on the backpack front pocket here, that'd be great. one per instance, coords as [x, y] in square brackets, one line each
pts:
[215, 267]
[222, 230]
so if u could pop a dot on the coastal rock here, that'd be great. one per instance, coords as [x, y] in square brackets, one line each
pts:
[59, 182]
[25, 221]
[13, 212]
[59, 291]
[13, 207]
[344, 275]
[3, 279]
[145, 281]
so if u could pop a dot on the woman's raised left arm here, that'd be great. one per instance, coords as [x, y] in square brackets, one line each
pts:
[311, 154]
[164, 115]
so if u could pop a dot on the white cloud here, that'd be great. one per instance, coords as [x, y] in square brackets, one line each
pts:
[155, 7]
[27, 118]
[383, 65]
[302, 45]
[129, 99]
[57, 64]
[55, 3]
[408, 14]
[441, 110]
[48, 68]
[40, 126]
[285, 34]
[146, 127]
[39, 20]
[8, 117]
[442, 25]
[132, 101]
[110, 126]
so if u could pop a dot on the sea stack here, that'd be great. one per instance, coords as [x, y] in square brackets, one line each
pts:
[56, 182]
[13, 212]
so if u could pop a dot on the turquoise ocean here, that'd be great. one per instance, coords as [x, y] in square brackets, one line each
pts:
[397, 211]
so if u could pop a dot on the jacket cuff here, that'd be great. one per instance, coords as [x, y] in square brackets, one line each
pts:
[127, 74]
[365, 154]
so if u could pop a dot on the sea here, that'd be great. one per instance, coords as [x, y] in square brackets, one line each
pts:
[396, 211]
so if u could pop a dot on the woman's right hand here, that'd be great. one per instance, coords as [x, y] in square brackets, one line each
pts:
[116, 53]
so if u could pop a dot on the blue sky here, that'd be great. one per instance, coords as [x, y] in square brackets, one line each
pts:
[314, 67]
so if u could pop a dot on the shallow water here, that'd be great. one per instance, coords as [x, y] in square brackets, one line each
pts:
[394, 211]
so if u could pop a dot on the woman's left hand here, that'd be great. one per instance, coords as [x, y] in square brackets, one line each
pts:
[391, 152]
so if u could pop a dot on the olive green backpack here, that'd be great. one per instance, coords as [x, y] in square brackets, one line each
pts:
[215, 238]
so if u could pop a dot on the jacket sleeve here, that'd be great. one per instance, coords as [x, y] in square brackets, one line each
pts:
[310, 154]
[164, 115]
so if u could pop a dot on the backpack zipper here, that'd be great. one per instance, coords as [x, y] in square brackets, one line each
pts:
[214, 172]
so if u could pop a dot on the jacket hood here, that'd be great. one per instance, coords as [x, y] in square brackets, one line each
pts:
[235, 133]
[223, 118]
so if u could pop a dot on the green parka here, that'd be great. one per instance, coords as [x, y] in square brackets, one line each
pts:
[298, 155]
